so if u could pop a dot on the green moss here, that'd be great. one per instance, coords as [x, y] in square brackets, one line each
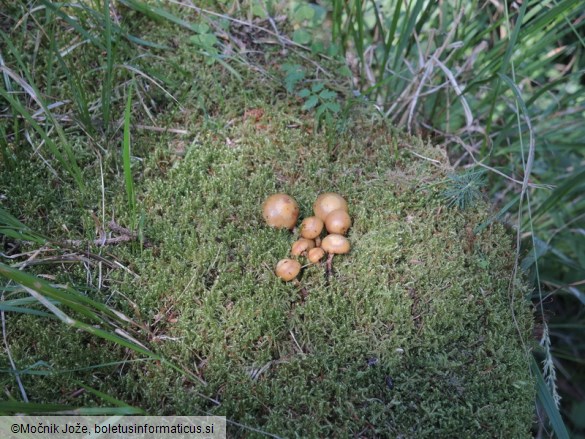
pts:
[418, 292]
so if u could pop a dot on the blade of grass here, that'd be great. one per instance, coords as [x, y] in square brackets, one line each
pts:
[110, 399]
[572, 183]
[388, 45]
[32, 370]
[67, 296]
[11, 226]
[359, 36]
[406, 32]
[126, 158]
[68, 159]
[548, 403]
[503, 68]
[117, 30]
[109, 68]
[13, 407]
[41, 290]
[157, 13]
[497, 216]
[74, 22]
[23, 310]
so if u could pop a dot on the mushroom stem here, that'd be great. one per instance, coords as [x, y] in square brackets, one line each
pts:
[330, 264]
[303, 290]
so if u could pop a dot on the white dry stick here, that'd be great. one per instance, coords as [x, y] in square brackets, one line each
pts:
[47, 304]
[368, 58]
[127, 336]
[458, 90]
[427, 72]
[66, 51]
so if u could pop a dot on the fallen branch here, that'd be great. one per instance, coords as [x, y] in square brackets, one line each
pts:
[126, 235]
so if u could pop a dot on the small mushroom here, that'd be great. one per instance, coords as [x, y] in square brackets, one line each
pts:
[338, 222]
[281, 211]
[287, 269]
[327, 203]
[315, 255]
[334, 245]
[311, 227]
[301, 246]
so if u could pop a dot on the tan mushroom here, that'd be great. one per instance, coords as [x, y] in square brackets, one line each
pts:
[338, 222]
[315, 255]
[311, 227]
[287, 269]
[327, 203]
[301, 246]
[281, 211]
[334, 245]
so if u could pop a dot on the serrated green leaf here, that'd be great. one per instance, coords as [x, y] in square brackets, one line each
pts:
[304, 93]
[319, 112]
[320, 13]
[311, 102]
[317, 47]
[258, 10]
[334, 107]
[294, 74]
[327, 94]
[317, 87]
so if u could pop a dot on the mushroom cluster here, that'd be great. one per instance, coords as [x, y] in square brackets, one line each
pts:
[331, 214]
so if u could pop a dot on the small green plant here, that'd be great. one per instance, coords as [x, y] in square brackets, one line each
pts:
[295, 73]
[320, 98]
[206, 41]
[464, 190]
[307, 19]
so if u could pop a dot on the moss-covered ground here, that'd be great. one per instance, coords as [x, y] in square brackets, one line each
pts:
[416, 333]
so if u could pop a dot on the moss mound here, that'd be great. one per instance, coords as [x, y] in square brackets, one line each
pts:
[412, 336]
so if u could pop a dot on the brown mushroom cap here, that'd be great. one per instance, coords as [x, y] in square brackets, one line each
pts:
[301, 246]
[280, 211]
[315, 255]
[327, 203]
[311, 227]
[338, 222]
[287, 269]
[335, 244]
